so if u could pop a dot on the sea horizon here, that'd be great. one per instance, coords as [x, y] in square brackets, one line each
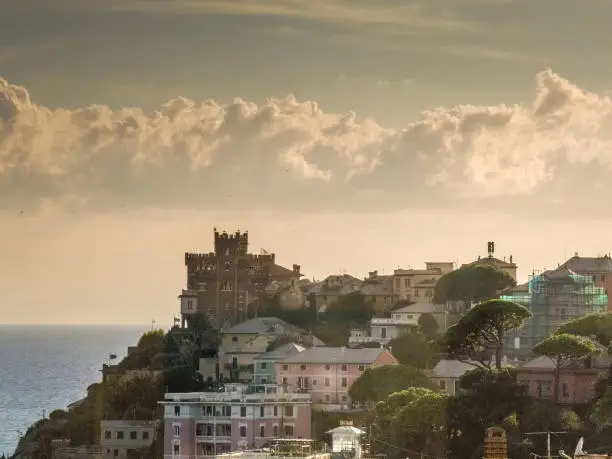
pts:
[48, 366]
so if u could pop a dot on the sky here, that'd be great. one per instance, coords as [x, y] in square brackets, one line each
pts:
[345, 136]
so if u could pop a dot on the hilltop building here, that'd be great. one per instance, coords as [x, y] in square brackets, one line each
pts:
[227, 283]
[507, 264]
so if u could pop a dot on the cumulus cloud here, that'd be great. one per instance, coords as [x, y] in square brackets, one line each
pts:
[290, 154]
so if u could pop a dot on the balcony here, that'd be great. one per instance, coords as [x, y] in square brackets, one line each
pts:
[368, 339]
[393, 321]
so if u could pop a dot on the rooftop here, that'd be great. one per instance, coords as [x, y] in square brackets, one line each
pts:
[452, 368]
[262, 325]
[336, 355]
[282, 352]
[417, 308]
[589, 264]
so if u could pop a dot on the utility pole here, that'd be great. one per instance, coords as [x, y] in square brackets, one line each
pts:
[548, 434]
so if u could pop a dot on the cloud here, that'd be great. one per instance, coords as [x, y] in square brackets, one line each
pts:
[553, 153]
[406, 16]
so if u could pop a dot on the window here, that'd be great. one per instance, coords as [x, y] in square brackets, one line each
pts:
[275, 430]
[442, 384]
[243, 411]
[177, 431]
[108, 434]
[177, 410]
[275, 412]
[326, 382]
[344, 398]
[383, 332]
[176, 450]
[344, 367]
[120, 435]
[234, 339]
[285, 380]
[543, 389]
[262, 412]
[565, 390]
[115, 453]
[226, 411]
[145, 435]
[133, 435]
[289, 411]
[327, 367]
[234, 362]
[361, 367]
[228, 265]
[344, 382]
[327, 397]
[262, 431]
[288, 431]
[243, 431]
[263, 365]
[302, 367]
[285, 367]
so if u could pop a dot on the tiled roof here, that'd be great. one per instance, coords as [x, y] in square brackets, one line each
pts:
[282, 352]
[492, 261]
[383, 285]
[451, 369]
[414, 272]
[336, 355]
[262, 325]
[589, 264]
[281, 271]
[417, 308]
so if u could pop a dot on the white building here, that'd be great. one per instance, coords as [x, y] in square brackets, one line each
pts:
[119, 437]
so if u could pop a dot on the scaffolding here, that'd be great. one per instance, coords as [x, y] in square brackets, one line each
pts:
[554, 298]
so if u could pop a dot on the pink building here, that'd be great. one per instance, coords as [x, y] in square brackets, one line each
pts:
[327, 373]
[205, 424]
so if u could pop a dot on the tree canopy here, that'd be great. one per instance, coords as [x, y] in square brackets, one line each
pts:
[482, 329]
[472, 284]
[563, 348]
[351, 308]
[413, 349]
[377, 383]
[597, 326]
[428, 325]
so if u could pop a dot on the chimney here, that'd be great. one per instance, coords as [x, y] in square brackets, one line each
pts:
[296, 269]
[510, 258]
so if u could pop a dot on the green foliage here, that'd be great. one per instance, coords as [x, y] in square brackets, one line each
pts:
[563, 348]
[597, 326]
[149, 346]
[58, 415]
[486, 397]
[601, 415]
[428, 325]
[377, 383]
[414, 350]
[135, 396]
[410, 419]
[483, 329]
[472, 284]
[352, 308]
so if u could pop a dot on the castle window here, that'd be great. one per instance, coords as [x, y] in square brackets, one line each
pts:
[228, 265]
[227, 252]
[226, 286]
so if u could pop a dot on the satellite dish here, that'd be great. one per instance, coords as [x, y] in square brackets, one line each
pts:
[579, 451]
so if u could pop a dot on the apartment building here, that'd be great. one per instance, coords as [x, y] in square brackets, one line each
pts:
[418, 284]
[264, 365]
[205, 424]
[121, 437]
[327, 373]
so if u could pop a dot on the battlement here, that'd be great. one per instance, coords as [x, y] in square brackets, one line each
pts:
[231, 244]
[261, 259]
[199, 258]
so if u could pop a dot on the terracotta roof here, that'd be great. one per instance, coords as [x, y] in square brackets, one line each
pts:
[492, 261]
[589, 264]
[281, 271]
[336, 355]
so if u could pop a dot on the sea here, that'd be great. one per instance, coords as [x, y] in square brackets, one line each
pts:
[46, 367]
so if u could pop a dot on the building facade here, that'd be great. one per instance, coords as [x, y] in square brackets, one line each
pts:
[227, 283]
[577, 379]
[418, 284]
[264, 365]
[206, 424]
[327, 373]
[121, 437]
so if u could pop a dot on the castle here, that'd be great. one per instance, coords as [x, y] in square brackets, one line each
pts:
[226, 284]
